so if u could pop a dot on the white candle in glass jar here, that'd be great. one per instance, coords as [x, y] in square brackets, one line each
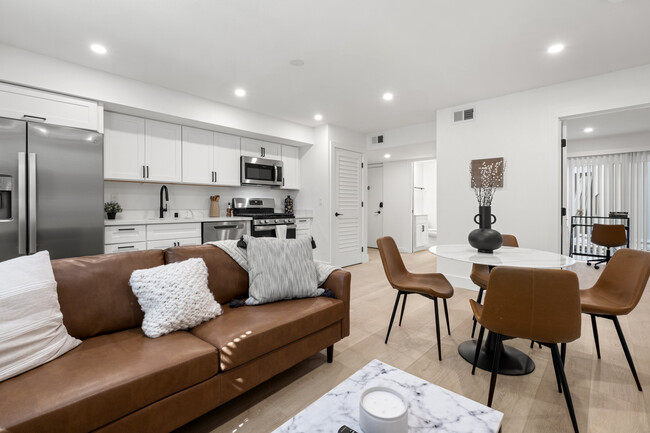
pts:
[383, 404]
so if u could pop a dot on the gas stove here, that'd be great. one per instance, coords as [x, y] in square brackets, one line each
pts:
[262, 211]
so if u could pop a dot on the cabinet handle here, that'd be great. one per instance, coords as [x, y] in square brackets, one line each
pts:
[263, 152]
[126, 230]
[128, 246]
[147, 172]
[143, 173]
[282, 181]
[216, 176]
[34, 118]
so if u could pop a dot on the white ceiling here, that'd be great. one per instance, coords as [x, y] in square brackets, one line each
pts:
[430, 53]
[631, 121]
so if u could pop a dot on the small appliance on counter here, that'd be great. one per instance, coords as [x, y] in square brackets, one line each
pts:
[265, 220]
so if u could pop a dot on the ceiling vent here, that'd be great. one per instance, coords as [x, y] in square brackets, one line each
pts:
[378, 139]
[464, 115]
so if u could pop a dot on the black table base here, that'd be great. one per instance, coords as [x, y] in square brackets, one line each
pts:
[513, 362]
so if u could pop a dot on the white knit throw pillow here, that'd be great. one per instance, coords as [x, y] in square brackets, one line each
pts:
[174, 296]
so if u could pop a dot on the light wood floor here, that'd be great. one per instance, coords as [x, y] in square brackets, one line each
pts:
[604, 394]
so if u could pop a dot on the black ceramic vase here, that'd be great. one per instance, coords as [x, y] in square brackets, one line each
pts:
[484, 239]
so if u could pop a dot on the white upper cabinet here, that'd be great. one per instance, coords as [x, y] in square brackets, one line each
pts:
[260, 149]
[210, 158]
[141, 149]
[226, 159]
[198, 156]
[162, 144]
[124, 147]
[29, 104]
[290, 167]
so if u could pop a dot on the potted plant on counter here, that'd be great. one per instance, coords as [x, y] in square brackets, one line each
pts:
[111, 208]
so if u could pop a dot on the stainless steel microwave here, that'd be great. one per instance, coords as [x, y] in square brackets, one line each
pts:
[260, 171]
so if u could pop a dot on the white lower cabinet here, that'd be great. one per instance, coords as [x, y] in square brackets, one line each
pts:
[303, 227]
[125, 247]
[420, 232]
[122, 234]
[170, 243]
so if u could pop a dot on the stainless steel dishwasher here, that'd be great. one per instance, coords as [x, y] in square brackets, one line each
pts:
[223, 230]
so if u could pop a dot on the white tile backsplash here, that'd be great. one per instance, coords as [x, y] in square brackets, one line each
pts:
[142, 200]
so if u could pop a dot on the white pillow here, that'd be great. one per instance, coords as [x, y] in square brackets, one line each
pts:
[174, 296]
[280, 269]
[31, 324]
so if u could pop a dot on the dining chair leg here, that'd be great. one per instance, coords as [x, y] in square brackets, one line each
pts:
[563, 352]
[392, 317]
[627, 351]
[595, 329]
[403, 305]
[565, 386]
[479, 298]
[478, 348]
[435, 306]
[557, 373]
[444, 302]
[495, 366]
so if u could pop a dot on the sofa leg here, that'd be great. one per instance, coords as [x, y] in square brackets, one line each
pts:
[330, 354]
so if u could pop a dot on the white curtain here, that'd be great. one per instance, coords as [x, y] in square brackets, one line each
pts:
[598, 185]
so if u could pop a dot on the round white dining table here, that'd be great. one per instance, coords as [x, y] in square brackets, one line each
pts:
[512, 362]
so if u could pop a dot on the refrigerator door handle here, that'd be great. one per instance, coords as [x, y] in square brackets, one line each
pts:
[22, 204]
[32, 202]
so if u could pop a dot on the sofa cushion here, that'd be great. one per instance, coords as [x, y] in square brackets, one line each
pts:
[174, 296]
[31, 326]
[226, 279]
[280, 269]
[94, 291]
[105, 378]
[245, 333]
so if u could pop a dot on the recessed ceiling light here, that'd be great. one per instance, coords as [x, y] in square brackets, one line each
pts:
[387, 155]
[555, 48]
[589, 129]
[318, 117]
[387, 96]
[240, 92]
[99, 49]
[297, 62]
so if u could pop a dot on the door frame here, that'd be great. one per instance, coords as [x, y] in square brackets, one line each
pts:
[364, 194]
[368, 209]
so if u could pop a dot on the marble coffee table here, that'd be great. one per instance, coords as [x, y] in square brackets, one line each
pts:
[431, 408]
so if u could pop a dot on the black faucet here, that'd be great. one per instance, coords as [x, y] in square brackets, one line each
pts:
[163, 209]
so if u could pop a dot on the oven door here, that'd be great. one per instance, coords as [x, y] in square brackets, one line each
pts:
[260, 171]
[269, 231]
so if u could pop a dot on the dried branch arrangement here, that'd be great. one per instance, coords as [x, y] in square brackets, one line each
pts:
[491, 176]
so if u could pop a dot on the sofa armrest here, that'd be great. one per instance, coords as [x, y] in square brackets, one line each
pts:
[339, 283]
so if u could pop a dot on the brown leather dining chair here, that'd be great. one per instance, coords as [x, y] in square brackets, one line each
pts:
[481, 273]
[609, 236]
[616, 293]
[432, 286]
[536, 304]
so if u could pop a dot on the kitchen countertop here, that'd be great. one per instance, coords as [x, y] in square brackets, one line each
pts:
[130, 222]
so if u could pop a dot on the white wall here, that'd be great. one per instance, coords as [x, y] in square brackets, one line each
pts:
[607, 145]
[398, 203]
[315, 191]
[136, 97]
[523, 128]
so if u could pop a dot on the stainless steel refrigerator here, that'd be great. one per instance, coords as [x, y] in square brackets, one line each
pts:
[51, 190]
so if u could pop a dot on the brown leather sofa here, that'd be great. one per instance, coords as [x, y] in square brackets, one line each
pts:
[119, 380]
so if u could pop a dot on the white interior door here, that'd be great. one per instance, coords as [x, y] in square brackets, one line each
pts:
[347, 196]
[375, 204]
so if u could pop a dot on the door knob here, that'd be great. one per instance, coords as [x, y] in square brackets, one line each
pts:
[337, 214]
[378, 212]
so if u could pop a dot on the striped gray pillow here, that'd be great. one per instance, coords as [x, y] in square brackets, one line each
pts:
[280, 269]
[31, 324]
